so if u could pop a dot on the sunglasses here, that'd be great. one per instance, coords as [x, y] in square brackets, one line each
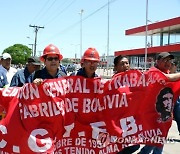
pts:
[51, 58]
[91, 62]
[168, 60]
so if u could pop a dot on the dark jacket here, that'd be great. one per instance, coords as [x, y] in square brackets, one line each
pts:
[43, 74]
[82, 72]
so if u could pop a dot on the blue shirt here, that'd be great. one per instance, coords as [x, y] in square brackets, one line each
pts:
[43, 74]
[21, 77]
[82, 72]
[3, 79]
[63, 69]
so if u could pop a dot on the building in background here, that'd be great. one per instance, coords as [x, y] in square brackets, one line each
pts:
[168, 33]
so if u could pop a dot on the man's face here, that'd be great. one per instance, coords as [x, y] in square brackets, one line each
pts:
[123, 65]
[52, 62]
[173, 68]
[164, 64]
[167, 101]
[6, 63]
[90, 66]
[31, 67]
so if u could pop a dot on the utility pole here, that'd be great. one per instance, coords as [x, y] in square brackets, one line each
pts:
[36, 28]
[81, 12]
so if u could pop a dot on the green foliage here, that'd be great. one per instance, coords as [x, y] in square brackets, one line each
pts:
[19, 53]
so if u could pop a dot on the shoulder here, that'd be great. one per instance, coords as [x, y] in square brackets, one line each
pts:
[78, 72]
[154, 69]
[63, 69]
[3, 69]
[73, 74]
[2, 72]
[37, 74]
[2, 75]
[20, 71]
[61, 73]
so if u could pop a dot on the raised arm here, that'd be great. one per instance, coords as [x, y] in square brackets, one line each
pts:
[173, 77]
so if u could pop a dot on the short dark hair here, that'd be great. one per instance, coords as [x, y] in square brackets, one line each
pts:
[118, 58]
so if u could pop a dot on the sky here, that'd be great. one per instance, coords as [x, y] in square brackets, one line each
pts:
[62, 26]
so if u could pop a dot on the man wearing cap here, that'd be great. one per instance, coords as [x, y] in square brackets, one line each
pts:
[6, 67]
[25, 75]
[164, 62]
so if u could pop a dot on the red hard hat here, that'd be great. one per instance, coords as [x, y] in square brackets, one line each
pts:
[49, 50]
[91, 54]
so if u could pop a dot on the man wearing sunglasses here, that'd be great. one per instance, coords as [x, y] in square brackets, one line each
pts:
[89, 63]
[51, 58]
[164, 62]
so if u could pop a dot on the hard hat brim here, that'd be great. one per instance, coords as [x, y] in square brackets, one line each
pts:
[92, 59]
[42, 57]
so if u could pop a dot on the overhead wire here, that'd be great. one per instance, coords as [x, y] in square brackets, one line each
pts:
[47, 10]
[39, 13]
[78, 22]
[44, 11]
[49, 21]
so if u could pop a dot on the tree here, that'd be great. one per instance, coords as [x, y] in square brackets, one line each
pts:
[19, 53]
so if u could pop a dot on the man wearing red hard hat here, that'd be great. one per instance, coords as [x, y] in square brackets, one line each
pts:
[89, 61]
[51, 58]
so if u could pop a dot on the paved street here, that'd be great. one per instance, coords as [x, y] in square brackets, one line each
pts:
[174, 147]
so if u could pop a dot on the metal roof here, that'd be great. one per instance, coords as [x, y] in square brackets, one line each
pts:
[156, 49]
[166, 26]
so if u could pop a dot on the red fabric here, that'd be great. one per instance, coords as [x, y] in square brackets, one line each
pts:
[76, 114]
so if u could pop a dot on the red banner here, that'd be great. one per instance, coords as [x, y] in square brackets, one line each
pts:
[80, 115]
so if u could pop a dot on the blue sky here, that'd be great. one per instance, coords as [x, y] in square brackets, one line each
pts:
[61, 21]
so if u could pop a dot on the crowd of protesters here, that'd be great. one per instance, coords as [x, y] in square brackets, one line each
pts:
[51, 58]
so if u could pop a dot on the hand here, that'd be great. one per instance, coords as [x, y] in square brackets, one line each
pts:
[38, 81]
